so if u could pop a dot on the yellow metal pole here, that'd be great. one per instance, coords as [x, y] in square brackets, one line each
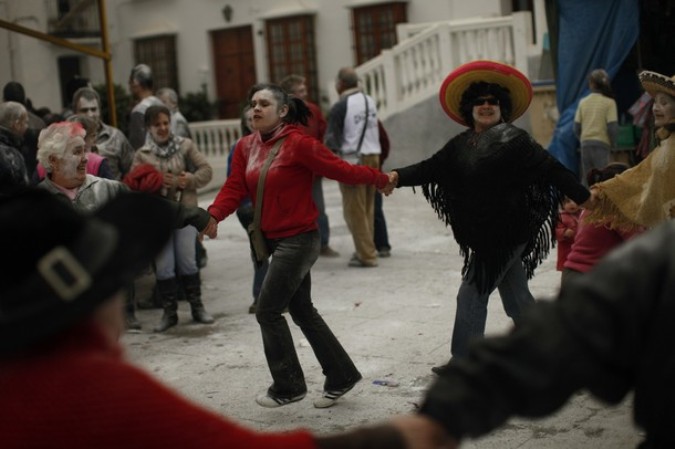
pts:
[107, 61]
[54, 40]
[103, 54]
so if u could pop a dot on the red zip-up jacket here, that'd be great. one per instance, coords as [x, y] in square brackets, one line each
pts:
[288, 208]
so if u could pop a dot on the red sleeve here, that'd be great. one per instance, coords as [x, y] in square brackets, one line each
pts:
[321, 161]
[153, 415]
[316, 126]
[565, 222]
[560, 229]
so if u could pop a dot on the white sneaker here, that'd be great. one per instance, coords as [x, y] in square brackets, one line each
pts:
[329, 398]
[265, 400]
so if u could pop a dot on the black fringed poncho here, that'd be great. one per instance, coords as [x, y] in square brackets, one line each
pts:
[497, 190]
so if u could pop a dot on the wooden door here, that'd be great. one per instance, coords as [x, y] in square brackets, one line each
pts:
[234, 62]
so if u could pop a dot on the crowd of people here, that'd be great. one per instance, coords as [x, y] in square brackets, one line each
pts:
[107, 207]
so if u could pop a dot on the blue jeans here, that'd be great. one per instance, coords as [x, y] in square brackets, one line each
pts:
[178, 257]
[288, 284]
[472, 304]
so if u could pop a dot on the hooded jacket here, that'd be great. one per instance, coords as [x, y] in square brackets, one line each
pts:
[288, 208]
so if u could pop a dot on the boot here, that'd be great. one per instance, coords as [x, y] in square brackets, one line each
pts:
[130, 309]
[193, 293]
[168, 292]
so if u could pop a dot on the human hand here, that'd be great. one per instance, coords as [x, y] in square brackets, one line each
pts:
[420, 432]
[182, 180]
[211, 229]
[169, 180]
[591, 201]
[393, 182]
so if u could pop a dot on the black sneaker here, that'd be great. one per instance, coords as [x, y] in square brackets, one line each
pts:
[440, 369]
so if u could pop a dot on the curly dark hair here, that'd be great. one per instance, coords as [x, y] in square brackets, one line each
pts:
[482, 89]
[603, 174]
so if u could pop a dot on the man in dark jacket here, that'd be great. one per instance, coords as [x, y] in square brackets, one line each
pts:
[609, 332]
[14, 91]
[13, 125]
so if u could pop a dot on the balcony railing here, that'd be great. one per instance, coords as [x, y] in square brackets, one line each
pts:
[215, 138]
[73, 18]
[413, 70]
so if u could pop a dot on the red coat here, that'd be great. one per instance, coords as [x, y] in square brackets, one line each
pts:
[316, 125]
[288, 207]
[80, 393]
[592, 243]
[567, 221]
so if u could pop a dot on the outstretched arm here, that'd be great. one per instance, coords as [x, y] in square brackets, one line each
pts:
[606, 331]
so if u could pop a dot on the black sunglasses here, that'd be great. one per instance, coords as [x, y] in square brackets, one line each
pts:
[492, 101]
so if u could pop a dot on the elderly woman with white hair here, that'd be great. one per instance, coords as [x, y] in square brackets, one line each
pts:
[61, 151]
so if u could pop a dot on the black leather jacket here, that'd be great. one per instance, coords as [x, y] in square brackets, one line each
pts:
[13, 171]
[610, 331]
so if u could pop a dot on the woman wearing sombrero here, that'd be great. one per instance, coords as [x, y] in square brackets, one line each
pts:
[497, 189]
[645, 194]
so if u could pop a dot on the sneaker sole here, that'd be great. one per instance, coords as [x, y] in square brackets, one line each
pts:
[329, 398]
[272, 402]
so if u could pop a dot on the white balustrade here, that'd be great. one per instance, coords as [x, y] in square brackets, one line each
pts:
[215, 137]
[413, 70]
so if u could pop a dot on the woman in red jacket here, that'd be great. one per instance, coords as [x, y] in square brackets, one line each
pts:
[290, 231]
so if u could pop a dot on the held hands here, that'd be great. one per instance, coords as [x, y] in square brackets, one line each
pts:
[420, 432]
[393, 182]
[591, 201]
[211, 230]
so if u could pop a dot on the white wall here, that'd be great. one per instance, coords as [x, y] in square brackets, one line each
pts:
[34, 63]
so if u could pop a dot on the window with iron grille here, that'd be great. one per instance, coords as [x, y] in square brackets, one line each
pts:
[159, 52]
[291, 50]
[375, 28]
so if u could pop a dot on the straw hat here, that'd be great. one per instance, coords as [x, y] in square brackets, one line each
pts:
[494, 72]
[61, 264]
[654, 83]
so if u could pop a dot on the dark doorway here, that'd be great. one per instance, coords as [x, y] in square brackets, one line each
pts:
[69, 73]
[651, 52]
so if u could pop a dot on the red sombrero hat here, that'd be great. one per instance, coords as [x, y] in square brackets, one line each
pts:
[491, 72]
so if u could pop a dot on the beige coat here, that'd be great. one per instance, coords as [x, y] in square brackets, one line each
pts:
[188, 159]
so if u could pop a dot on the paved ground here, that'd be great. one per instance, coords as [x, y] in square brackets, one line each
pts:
[394, 320]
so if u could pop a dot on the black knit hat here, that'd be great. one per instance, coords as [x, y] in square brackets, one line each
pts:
[60, 264]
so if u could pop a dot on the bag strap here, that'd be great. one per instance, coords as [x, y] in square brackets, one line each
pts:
[365, 125]
[257, 214]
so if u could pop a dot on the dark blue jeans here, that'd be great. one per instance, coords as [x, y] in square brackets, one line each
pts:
[472, 304]
[381, 236]
[322, 220]
[245, 216]
[288, 284]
